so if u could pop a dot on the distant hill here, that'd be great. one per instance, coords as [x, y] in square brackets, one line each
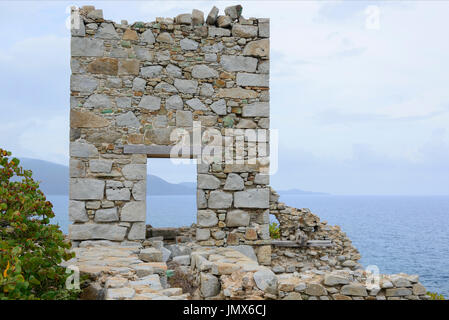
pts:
[298, 191]
[54, 179]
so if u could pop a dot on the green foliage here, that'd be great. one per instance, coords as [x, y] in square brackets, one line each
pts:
[435, 296]
[31, 248]
[275, 233]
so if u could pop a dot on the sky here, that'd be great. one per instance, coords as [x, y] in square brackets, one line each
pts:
[359, 93]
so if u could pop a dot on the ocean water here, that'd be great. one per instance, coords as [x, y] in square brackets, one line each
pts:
[395, 233]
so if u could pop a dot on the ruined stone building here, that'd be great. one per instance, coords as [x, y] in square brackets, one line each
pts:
[133, 86]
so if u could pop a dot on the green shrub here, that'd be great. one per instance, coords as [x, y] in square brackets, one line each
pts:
[435, 296]
[31, 248]
[275, 233]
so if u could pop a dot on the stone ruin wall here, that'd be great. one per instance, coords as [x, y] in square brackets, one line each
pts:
[132, 85]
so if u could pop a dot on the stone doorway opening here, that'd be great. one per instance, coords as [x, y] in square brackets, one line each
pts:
[171, 195]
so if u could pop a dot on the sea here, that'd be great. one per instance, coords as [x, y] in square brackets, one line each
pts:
[407, 234]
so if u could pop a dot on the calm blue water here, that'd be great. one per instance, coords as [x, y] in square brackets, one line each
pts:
[398, 234]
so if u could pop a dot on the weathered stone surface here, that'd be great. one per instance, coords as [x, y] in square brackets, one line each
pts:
[237, 93]
[148, 37]
[98, 101]
[315, 289]
[122, 194]
[94, 291]
[237, 218]
[96, 231]
[201, 71]
[107, 66]
[87, 47]
[224, 21]
[86, 119]
[164, 37]
[208, 181]
[234, 12]
[133, 211]
[139, 190]
[252, 198]
[106, 215]
[219, 200]
[419, 289]
[219, 107]
[173, 71]
[182, 260]
[188, 44]
[201, 200]
[251, 79]
[83, 83]
[206, 218]
[123, 102]
[219, 32]
[107, 31]
[234, 182]
[354, 289]
[150, 255]
[261, 179]
[184, 118]
[256, 109]
[128, 67]
[165, 87]
[184, 18]
[77, 168]
[151, 71]
[207, 90]
[174, 102]
[335, 279]
[130, 35]
[266, 281]
[398, 292]
[264, 30]
[135, 171]
[127, 120]
[209, 285]
[238, 63]
[186, 86]
[244, 31]
[86, 189]
[202, 234]
[196, 104]
[197, 17]
[212, 16]
[150, 103]
[103, 166]
[77, 211]
[257, 48]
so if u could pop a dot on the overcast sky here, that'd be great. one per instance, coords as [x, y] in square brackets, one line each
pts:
[361, 107]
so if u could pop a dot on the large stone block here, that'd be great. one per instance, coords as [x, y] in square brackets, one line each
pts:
[83, 150]
[266, 281]
[122, 194]
[89, 231]
[77, 168]
[107, 66]
[106, 215]
[100, 166]
[186, 86]
[135, 171]
[219, 107]
[107, 31]
[87, 47]
[244, 31]
[252, 198]
[201, 71]
[252, 80]
[86, 119]
[184, 118]
[256, 109]
[151, 71]
[258, 48]
[150, 102]
[219, 200]
[139, 190]
[237, 93]
[234, 182]
[77, 211]
[206, 218]
[237, 218]
[82, 83]
[137, 231]
[238, 63]
[127, 120]
[208, 181]
[202, 234]
[86, 189]
[133, 211]
[98, 101]
[209, 285]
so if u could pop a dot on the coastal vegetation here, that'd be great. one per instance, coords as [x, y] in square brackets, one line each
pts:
[31, 248]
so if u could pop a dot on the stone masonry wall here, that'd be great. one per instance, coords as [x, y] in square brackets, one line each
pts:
[132, 85]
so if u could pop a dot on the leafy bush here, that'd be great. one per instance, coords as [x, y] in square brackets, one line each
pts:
[31, 248]
[275, 233]
[435, 296]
